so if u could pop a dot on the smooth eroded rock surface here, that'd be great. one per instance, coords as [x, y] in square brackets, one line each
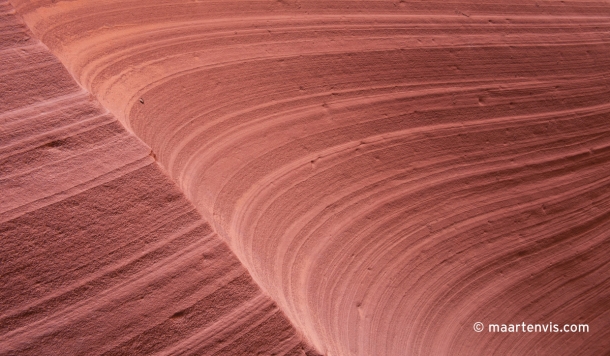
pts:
[390, 172]
[100, 253]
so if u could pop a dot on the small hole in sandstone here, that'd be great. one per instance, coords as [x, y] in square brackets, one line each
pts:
[55, 143]
[178, 314]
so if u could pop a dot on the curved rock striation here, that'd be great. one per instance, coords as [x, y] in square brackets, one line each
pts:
[100, 253]
[390, 172]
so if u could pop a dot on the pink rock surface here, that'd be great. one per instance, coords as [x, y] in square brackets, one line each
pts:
[389, 172]
[100, 253]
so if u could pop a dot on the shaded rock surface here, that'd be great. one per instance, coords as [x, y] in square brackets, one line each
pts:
[389, 172]
[100, 253]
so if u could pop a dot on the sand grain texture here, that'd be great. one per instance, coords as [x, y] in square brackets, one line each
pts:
[100, 253]
[389, 172]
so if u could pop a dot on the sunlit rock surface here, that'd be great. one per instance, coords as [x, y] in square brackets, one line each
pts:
[389, 172]
[100, 253]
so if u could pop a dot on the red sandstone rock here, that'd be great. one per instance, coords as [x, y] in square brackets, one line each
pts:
[388, 172]
[99, 252]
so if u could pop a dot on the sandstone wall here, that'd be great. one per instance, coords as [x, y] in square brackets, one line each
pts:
[390, 172]
[100, 253]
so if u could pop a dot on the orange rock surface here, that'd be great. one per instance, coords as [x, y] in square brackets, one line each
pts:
[99, 251]
[389, 172]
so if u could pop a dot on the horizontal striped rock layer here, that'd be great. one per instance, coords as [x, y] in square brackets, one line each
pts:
[100, 253]
[390, 172]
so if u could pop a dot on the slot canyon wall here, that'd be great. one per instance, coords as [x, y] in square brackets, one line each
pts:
[100, 253]
[389, 172]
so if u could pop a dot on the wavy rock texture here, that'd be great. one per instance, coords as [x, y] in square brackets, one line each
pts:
[100, 253]
[389, 172]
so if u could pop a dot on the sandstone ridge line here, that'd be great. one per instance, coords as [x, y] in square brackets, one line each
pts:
[100, 253]
[389, 172]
